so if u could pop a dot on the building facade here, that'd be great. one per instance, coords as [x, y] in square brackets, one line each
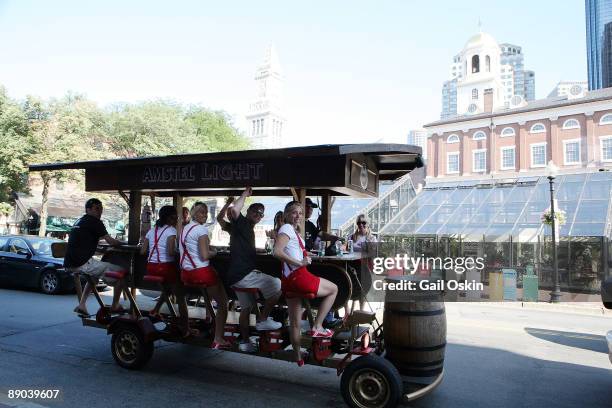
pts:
[564, 88]
[598, 13]
[574, 132]
[485, 64]
[265, 119]
[418, 138]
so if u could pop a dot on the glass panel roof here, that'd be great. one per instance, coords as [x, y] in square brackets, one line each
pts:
[502, 208]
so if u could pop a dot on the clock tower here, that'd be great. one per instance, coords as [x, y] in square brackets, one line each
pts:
[265, 118]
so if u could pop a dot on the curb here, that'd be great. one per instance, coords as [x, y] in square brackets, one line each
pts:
[590, 309]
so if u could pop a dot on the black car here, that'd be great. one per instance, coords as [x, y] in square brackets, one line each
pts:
[26, 260]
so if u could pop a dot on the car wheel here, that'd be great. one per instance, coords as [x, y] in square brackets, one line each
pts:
[49, 282]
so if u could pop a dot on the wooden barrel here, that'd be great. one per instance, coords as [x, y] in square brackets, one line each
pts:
[415, 331]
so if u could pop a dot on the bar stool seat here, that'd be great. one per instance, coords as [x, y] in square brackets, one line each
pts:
[115, 274]
[154, 279]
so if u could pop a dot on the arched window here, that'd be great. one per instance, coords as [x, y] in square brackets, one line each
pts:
[488, 63]
[508, 131]
[571, 124]
[475, 64]
[474, 93]
[452, 139]
[606, 119]
[480, 135]
[538, 128]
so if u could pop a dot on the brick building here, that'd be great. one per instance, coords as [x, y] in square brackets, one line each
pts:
[574, 131]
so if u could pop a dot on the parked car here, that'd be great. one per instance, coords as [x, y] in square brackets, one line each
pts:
[27, 261]
[606, 298]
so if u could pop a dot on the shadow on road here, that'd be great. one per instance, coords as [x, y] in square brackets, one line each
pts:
[584, 341]
[479, 377]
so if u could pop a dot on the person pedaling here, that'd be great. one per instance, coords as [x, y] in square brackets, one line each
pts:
[297, 282]
[161, 262]
[196, 269]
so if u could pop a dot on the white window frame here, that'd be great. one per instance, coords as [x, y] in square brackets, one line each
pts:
[565, 142]
[484, 135]
[448, 154]
[506, 128]
[606, 119]
[566, 126]
[601, 156]
[501, 157]
[454, 141]
[537, 131]
[531, 146]
[474, 170]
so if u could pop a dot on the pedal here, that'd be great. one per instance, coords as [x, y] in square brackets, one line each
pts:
[360, 317]
[271, 341]
[231, 332]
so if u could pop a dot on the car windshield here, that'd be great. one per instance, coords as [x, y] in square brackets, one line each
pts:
[42, 246]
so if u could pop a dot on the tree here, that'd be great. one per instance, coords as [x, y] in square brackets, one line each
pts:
[149, 129]
[162, 128]
[70, 129]
[214, 131]
[15, 146]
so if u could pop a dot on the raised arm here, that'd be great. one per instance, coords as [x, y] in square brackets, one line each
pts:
[234, 211]
[222, 212]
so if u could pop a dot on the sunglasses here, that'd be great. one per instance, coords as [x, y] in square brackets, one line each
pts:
[362, 223]
[260, 213]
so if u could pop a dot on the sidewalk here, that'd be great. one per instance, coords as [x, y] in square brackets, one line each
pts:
[591, 308]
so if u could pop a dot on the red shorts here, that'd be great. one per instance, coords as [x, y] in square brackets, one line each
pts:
[301, 281]
[167, 270]
[206, 276]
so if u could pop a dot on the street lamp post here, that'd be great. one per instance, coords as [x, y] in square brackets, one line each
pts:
[551, 171]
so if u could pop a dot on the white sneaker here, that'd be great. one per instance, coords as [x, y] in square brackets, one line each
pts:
[268, 324]
[247, 347]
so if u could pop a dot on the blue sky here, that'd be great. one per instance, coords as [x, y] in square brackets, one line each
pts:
[355, 71]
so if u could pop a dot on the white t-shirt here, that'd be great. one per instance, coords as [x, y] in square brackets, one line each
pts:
[193, 235]
[163, 233]
[360, 244]
[292, 249]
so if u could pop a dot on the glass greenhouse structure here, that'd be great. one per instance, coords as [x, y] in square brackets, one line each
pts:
[500, 220]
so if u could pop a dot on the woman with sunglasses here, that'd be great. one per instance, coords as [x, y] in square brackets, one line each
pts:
[362, 235]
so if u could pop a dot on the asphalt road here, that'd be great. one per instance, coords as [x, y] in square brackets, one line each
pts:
[496, 357]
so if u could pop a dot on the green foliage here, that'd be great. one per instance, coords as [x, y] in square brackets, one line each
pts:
[69, 129]
[149, 129]
[5, 209]
[75, 129]
[214, 131]
[15, 146]
[163, 128]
